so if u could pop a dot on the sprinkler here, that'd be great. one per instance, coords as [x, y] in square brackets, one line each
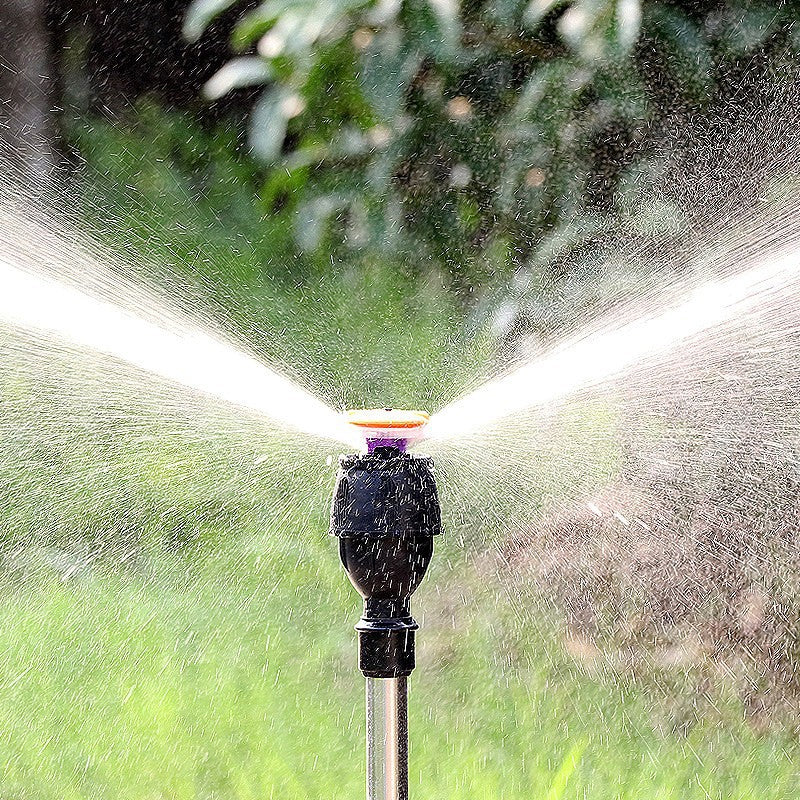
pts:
[385, 513]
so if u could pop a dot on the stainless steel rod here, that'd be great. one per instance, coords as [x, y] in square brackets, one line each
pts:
[387, 739]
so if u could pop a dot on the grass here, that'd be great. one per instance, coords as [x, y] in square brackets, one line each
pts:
[219, 661]
[231, 675]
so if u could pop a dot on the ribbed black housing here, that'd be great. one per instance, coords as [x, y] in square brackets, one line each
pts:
[385, 513]
[385, 493]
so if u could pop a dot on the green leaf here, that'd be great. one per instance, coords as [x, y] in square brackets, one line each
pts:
[629, 21]
[254, 24]
[580, 26]
[601, 29]
[268, 122]
[431, 28]
[313, 217]
[387, 69]
[449, 22]
[297, 31]
[236, 74]
[556, 84]
[200, 14]
[537, 10]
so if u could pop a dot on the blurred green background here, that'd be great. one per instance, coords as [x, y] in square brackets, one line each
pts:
[380, 198]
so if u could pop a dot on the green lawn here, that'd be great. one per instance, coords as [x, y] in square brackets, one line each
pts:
[232, 675]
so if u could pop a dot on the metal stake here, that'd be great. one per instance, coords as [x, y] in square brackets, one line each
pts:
[387, 739]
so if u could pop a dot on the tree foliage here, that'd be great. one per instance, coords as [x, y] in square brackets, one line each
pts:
[489, 126]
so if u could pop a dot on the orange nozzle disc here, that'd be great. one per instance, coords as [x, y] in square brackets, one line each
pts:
[385, 419]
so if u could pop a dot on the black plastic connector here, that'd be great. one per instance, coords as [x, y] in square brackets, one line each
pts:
[385, 514]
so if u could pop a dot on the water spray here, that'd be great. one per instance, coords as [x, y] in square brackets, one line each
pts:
[385, 513]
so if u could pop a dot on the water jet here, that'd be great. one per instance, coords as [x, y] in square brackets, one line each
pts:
[385, 513]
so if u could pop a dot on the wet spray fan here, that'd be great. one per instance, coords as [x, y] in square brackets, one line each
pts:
[385, 513]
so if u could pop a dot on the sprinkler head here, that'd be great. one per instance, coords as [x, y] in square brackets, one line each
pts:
[385, 513]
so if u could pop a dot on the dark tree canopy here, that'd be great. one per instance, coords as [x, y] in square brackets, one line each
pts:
[507, 131]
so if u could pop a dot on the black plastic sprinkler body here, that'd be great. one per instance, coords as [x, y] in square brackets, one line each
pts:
[385, 513]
